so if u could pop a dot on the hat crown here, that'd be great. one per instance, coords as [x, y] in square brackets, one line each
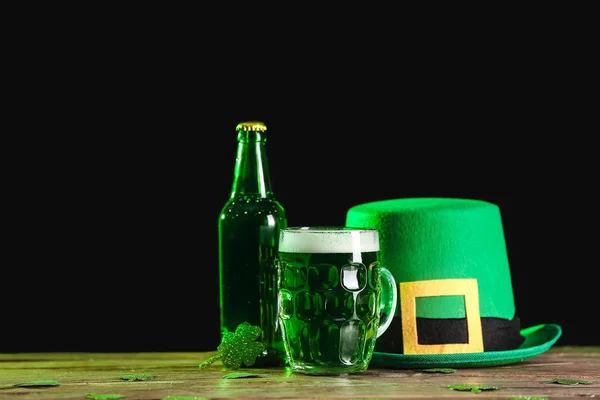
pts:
[425, 239]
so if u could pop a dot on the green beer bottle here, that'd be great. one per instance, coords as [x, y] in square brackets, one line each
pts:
[249, 225]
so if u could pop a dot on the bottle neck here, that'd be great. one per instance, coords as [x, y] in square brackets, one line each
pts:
[251, 174]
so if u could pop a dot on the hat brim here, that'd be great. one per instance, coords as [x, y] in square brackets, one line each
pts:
[538, 339]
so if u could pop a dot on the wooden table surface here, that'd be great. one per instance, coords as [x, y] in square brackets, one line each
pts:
[177, 374]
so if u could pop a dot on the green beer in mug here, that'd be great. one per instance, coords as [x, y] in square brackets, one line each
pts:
[334, 298]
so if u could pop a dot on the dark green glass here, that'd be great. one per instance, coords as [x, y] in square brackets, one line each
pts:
[249, 225]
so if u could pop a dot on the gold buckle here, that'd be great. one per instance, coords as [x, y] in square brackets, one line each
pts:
[409, 291]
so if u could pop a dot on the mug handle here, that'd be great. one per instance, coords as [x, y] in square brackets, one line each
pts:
[387, 306]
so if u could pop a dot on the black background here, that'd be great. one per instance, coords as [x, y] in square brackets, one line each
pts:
[124, 148]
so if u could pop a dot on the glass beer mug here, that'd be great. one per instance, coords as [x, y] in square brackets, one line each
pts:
[334, 298]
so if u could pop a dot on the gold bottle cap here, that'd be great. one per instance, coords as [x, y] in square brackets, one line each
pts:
[256, 126]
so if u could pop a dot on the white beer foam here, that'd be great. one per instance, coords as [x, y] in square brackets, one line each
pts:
[328, 240]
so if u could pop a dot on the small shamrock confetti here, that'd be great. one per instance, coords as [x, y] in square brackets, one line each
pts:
[528, 398]
[440, 370]
[235, 375]
[472, 388]
[37, 383]
[184, 398]
[566, 381]
[107, 396]
[137, 377]
[238, 348]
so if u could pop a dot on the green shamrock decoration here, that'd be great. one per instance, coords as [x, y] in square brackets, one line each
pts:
[567, 381]
[472, 388]
[43, 382]
[137, 377]
[238, 348]
[104, 396]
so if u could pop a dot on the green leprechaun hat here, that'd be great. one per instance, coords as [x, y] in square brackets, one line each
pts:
[456, 306]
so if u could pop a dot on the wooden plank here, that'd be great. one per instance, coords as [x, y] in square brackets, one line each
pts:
[177, 374]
